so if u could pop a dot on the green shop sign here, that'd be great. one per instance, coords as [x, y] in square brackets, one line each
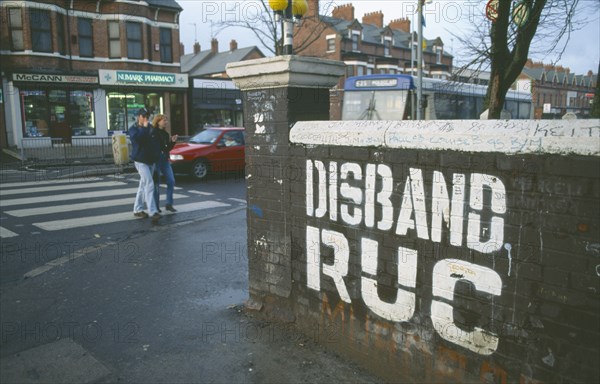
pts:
[144, 79]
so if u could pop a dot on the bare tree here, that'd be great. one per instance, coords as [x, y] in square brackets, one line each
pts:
[260, 20]
[504, 46]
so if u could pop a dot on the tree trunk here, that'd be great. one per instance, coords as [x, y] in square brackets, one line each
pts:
[507, 64]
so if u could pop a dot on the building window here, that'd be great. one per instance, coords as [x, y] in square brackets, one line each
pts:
[331, 44]
[166, 45]
[16, 29]
[114, 40]
[355, 41]
[60, 33]
[41, 34]
[387, 48]
[86, 44]
[349, 70]
[360, 70]
[134, 40]
[149, 41]
[438, 55]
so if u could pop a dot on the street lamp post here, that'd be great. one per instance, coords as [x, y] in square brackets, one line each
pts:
[288, 12]
[420, 61]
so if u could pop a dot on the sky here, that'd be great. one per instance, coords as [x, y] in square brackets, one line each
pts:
[199, 17]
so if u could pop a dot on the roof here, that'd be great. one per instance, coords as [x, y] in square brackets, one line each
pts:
[171, 4]
[205, 63]
[561, 76]
[372, 33]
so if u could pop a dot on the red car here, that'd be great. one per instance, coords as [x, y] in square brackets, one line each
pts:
[212, 150]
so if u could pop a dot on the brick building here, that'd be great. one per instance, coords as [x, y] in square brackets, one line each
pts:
[82, 69]
[368, 46]
[556, 91]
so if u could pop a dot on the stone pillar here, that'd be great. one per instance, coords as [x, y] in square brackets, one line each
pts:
[277, 92]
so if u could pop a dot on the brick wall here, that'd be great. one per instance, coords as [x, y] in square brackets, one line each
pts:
[100, 38]
[434, 251]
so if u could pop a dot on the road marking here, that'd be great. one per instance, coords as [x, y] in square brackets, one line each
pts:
[61, 187]
[67, 196]
[237, 200]
[47, 182]
[58, 225]
[202, 193]
[65, 259]
[75, 207]
[6, 233]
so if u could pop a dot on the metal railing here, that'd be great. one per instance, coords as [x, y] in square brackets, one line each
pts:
[57, 151]
[54, 151]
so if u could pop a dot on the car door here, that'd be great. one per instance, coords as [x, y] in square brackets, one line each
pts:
[230, 151]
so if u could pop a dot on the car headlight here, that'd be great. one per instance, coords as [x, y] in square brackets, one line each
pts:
[176, 157]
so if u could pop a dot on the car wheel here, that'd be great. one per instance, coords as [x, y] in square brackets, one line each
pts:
[200, 169]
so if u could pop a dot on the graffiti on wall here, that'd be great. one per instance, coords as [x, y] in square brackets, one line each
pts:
[363, 196]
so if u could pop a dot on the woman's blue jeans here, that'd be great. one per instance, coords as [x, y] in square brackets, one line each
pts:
[163, 168]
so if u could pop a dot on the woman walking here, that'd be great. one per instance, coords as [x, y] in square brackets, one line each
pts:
[163, 166]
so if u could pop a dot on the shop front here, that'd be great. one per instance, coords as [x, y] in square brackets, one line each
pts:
[125, 92]
[215, 102]
[50, 106]
[43, 108]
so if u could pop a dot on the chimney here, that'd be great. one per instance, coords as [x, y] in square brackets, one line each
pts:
[345, 12]
[375, 18]
[214, 46]
[181, 49]
[529, 63]
[232, 45]
[313, 8]
[400, 25]
[196, 48]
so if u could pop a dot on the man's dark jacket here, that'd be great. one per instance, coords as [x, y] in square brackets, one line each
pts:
[146, 144]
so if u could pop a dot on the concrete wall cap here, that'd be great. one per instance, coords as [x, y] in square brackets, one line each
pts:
[285, 71]
[580, 137]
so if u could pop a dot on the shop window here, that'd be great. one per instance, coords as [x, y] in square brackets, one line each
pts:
[16, 29]
[41, 35]
[166, 45]
[60, 33]
[122, 108]
[86, 43]
[81, 113]
[134, 40]
[114, 40]
[34, 106]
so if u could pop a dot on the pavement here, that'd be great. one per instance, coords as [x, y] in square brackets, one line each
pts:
[174, 314]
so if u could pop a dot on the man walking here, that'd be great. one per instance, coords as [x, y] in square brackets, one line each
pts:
[145, 153]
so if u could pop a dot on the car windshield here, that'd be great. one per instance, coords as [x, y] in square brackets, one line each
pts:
[208, 136]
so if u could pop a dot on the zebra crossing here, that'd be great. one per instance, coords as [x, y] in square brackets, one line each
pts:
[45, 204]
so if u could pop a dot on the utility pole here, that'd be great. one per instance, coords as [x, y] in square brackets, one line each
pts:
[420, 61]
